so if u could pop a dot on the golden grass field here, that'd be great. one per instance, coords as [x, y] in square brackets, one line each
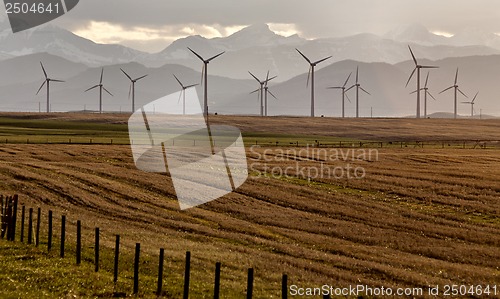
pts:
[419, 217]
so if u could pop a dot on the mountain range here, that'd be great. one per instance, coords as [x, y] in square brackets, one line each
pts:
[383, 61]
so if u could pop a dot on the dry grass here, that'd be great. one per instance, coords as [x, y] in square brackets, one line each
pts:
[420, 216]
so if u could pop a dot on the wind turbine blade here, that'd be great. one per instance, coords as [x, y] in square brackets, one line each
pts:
[364, 90]
[43, 69]
[202, 74]
[426, 80]
[129, 90]
[357, 74]
[107, 91]
[179, 81]
[348, 77]
[319, 61]
[102, 72]
[456, 77]
[272, 94]
[54, 80]
[92, 88]
[258, 89]
[472, 102]
[267, 79]
[201, 58]
[350, 88]
[180, 95]
[307, 59]
[465, 102]
[413, 56]
[271, 78]
[126, 74]
[335, 87]
[431, 95]
[142, 77]
[462, 92]
[189, 86]
[413, 92]
[41, 87]
[411, 76]
[308, 76]
[213, 57]
[429, 67]
[254, 76]
[347, 97]
[446, 89]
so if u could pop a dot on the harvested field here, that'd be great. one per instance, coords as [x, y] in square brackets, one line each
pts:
[417, 217]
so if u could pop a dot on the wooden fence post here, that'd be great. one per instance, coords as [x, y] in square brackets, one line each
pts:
[117, 254]
[136, 267]
[2, 217]
[96, 250]
[160, 272]
[30, 226]
[187, 275]
[250, 283]
[63, 234]
[284, 287]
[38, 216]
[23, 215]
[217, 280]
[49, 237]
[78, 242]
[14, 217]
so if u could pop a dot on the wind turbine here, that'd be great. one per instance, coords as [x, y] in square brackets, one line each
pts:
[343, 87]
[426, 92]
[47, 81]
[311, 75]
[472, 105]
[204, 76]
[417, 68]
[267, 91]
[358, 87]
[261, 89]
[455, 86]
[101, 87]
[132, 87]
[183, 94]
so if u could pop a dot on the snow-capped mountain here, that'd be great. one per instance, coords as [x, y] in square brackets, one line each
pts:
[255, 48]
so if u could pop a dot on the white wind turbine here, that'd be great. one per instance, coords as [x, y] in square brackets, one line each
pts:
[47, 81]
[417, 68]
[344, 95]
[455, 86]
[310, 75]
[426, 92]
[183, 94]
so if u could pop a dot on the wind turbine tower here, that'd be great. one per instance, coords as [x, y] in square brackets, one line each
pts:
[358, 87]
[426, 92]
[47, 81]
[132, 87]
[101, 87]
[455, 86]
[344, 95]
[183, 94]
[417, 68]
[204, 75]
[310, 75]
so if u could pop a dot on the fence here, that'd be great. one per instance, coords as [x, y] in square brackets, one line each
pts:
[9, 219]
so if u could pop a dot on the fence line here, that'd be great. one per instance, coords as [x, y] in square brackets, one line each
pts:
[8, 225]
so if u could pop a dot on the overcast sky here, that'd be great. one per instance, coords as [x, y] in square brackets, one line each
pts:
[151, 25]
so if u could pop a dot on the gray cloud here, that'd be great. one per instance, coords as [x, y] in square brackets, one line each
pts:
[316, 18]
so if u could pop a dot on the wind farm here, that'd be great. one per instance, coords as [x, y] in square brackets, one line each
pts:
[348, 198]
